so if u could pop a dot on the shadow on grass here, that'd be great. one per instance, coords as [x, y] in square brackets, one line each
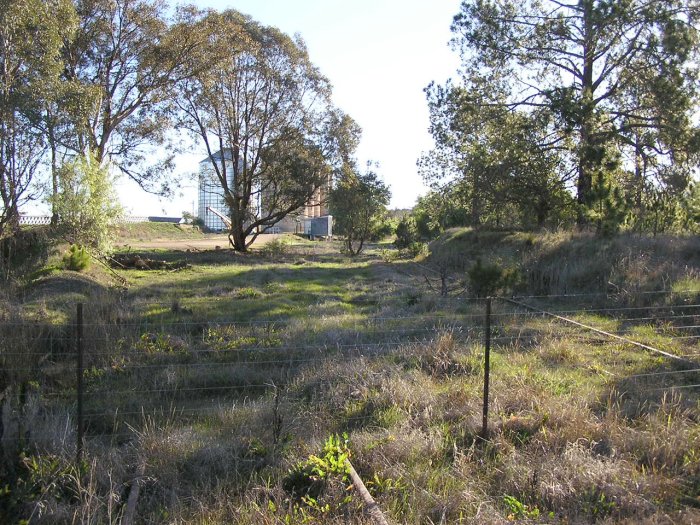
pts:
[653, 386]
[249, 292]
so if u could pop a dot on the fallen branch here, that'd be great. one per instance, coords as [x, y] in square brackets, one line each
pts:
[130, 510]
[372, 508]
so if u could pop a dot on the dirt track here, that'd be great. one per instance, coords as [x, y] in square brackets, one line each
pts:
[208, 242]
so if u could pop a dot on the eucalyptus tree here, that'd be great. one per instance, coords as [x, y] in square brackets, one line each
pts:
[255, 96]
[128, 56]
[31, 36]
[619, 76]
[60, 123]
[358, 203]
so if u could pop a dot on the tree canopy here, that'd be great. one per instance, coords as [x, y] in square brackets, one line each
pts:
[358, 204]
[116, 81]
[595, 89]
[254, 94]
[31, 37]
[129, 56]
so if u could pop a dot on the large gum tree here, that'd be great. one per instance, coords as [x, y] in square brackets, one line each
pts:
[127, 57]
[255, 95]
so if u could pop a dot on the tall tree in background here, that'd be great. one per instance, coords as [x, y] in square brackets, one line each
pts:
[130, 57]
[619, 76]
[31, 35]
[262, 103]
[60, 124]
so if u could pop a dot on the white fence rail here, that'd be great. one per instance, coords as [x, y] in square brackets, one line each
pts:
[37, 220]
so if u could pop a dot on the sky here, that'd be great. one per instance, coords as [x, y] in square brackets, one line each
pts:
[379, 55]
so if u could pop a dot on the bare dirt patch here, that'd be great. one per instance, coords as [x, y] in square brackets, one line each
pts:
[207, 242]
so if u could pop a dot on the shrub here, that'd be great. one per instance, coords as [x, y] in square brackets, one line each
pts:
[406, 233]
[417, 248]
[275, 248]
[77, 259]
[87, 203]
[487, 279]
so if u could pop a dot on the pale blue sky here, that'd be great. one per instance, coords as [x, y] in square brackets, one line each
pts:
[378, 55]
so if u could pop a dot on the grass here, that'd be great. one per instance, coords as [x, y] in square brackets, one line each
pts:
[145, 231]
[582, 429]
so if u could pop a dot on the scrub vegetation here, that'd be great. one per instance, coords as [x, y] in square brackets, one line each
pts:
[242, 382]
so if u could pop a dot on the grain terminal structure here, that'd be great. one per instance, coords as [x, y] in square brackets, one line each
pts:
[312, 219]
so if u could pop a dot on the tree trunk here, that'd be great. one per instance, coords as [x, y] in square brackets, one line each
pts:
[12, 221]
[541, 212]
[54, 175]
[585, 166]
[475, 212]
[237, 238]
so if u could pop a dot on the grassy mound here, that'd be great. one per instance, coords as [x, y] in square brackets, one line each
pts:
[570, 263]
[237, 379]
[147, 231]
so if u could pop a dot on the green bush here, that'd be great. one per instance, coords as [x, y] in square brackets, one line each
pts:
[406, 233]
[77, 259]
[417, 248]
[487, 279]
[87, 203]
[275, 248]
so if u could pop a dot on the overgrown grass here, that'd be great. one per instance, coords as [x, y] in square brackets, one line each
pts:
[226, 376]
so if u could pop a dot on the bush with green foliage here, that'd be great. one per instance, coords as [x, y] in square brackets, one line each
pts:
[608, 208]
[438, 211]
[406, 233]
[39, 479]
[87, 205]
[77, 258]
[487, 279]
[275, 248]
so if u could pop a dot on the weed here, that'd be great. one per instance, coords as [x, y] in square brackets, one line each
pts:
[518, 510]
[160, 343]
[597, 505]
[76, 259]
[247, 293]
[309, 481]
[308, 477]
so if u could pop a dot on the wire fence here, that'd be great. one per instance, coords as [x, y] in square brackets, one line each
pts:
[109, 373]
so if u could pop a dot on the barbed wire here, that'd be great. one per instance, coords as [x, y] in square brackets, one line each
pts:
[114, 390]
[286, 321]
[209, 348]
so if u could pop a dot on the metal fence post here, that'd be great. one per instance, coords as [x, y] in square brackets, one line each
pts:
[487, 369]
[79, 349]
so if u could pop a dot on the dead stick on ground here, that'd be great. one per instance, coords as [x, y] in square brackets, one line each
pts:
[372, 508]
[130, 510]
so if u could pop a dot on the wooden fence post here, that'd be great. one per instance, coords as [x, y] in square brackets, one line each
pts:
[79, 349]
[487, 370]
